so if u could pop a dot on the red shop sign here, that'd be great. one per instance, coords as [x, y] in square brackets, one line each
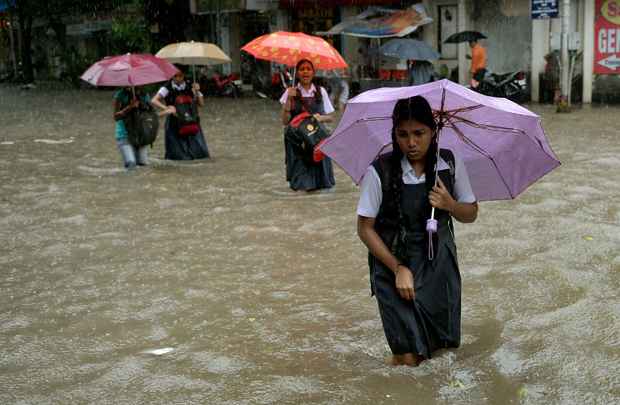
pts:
[607, 37]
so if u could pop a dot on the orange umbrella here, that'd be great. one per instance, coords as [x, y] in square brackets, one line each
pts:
[288, 48]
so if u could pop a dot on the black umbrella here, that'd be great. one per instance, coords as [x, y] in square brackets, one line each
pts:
[464, 36]
[406, 48]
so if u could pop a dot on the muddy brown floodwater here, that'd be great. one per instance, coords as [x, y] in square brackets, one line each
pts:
[212, 283]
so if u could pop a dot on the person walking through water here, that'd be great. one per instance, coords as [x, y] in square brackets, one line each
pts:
[179, 99]
[418, 292]
[308, 97]
[125, 102]
[478, 63]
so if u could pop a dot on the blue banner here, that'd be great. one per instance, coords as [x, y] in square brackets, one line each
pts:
[542, 9]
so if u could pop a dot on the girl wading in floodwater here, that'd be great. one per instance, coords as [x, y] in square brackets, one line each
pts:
[179, 100]
[311, 98]
[414, 276]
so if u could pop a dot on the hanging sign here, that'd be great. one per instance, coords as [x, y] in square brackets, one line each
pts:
[607, 37]
[544, 9]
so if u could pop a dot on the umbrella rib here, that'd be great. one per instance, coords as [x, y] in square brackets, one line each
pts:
[489, 126]
[471, 143]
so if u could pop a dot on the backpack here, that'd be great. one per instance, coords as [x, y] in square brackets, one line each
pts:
[187, 116]
[305, 133]
[142, 126]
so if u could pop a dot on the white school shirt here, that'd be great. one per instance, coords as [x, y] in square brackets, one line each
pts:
[371, 195]
[328, 108]
[163, 91]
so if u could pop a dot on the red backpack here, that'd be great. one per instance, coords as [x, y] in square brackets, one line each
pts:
[187, 117]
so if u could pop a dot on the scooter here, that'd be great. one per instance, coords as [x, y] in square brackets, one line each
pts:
[271, 87]
[508, 85]
[226, 86]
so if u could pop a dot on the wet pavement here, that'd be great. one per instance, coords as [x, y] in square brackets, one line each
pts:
[212, 283]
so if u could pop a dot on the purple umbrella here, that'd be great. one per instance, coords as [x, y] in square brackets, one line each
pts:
[502, 144]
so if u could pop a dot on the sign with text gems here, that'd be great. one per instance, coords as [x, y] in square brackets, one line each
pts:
[544, 9]
[607, 37]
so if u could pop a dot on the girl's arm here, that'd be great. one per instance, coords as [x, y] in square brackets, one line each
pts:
[286, 114]
[324, 117]
[368, 235]
[158, 102]
[200, 100]
[328, 117]
[286, 107]
[119, 113]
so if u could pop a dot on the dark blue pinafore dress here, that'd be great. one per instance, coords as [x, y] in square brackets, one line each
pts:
[433, 320]
[182, 147]
[299, 174]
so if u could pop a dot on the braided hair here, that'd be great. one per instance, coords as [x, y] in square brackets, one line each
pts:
[414, 108]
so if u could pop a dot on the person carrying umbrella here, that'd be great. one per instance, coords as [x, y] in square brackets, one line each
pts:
[129, 71]
[414, 273]
[478, 62]
[179, 100]
[125, 102]
[311, 98]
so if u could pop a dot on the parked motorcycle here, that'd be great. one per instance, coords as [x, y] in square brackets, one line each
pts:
[508, 85]
[271, 87]
[221, 85]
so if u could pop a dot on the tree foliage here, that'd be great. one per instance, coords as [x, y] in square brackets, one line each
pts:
[130, 31]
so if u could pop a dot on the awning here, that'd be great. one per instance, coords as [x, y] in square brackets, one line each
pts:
[382, 23]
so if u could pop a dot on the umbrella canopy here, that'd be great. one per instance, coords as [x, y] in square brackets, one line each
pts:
[129, 70]
[288, 48]
[406, 48]
[464, 36]
[502, 144]
[193, 53]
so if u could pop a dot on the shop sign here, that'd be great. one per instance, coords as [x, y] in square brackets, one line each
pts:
[607, 37]
[542, 9]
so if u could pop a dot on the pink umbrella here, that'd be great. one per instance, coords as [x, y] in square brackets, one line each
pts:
[502, 144]
[129, 70]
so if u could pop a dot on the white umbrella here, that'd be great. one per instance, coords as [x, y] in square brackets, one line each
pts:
[193, 53]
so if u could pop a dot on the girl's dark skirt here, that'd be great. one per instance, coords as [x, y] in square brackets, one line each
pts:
[303, 176]
[433, 320]
[184, 147]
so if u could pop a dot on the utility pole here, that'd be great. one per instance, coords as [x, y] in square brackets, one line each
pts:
[12, 44]
[565, 80]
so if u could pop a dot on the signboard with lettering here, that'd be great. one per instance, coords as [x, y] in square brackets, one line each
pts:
[544, 9]
[607, 37]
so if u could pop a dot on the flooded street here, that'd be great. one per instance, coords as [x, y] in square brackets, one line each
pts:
[212, 283]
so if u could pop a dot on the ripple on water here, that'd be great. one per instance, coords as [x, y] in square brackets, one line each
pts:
[607, 161]
[101, 171]
[507, 360]
[74, 220]
[218, 364]
[162, 384]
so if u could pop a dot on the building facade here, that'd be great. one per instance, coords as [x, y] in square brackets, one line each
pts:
[515, 39]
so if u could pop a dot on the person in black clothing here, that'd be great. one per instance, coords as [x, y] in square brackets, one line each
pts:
[179, 99]
[306, 97]
[414, 274]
